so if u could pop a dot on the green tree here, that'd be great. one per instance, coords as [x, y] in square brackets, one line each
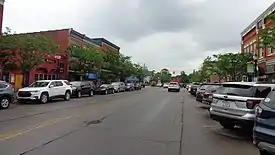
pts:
[30, 52]
[86, 59]
[267, 34]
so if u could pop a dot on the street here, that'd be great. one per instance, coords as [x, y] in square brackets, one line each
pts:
[147, 122]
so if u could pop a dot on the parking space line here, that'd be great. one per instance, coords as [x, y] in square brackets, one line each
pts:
[9, 135]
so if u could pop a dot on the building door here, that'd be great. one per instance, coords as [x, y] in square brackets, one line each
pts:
[18, 81]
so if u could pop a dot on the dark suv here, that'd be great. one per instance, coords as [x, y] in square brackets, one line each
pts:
[264, 127]
[82, 88]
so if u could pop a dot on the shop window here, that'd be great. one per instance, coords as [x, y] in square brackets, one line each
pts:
[269, 50]
[49, 77]
[61, 65]
[261, 53]
[45, 76]
[35, 77]
[53, 77]
[40, 76]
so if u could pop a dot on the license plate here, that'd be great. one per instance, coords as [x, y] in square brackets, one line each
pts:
[225, 104]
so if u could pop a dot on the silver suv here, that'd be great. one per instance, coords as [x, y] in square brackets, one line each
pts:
[234, 103]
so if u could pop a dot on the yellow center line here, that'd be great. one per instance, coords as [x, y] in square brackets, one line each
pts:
[9, 135]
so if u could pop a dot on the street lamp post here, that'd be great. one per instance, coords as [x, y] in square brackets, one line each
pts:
[58, 57]
[255, 59]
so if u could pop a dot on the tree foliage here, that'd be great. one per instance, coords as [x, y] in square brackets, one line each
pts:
[267, 34]
[25, 51]
[111, 65]
[232, 65]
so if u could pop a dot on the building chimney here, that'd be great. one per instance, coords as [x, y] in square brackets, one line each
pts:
[1, 14]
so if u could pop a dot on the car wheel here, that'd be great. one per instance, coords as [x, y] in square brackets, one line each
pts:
[4, 102]
[91, 93]
[44, 98]
[262, 152]
[67, 96]
[227, 125]
[106, 92]
[79, 94]
[169, 90]
[113, 91]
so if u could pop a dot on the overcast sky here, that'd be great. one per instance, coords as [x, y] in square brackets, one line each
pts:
[173, 34]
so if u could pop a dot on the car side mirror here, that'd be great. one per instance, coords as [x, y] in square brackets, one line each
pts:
[51, 86]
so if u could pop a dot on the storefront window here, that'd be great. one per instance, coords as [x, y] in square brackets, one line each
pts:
[261, 52]
[269, 50]
[40, 76]
[35, 77]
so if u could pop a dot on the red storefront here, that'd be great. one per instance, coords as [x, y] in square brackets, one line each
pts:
[250, 38]
[55, 66]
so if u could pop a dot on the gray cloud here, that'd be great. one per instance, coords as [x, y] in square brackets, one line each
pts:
[175, 34]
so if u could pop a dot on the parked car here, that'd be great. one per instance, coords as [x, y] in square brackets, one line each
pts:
[264, 127]
[233, 104]
[165, 85]
[130, 87]
[44, 90]
[119, 86]
[193, 89]
[105, 89]
[7, 95]
[174, 86]
[200, 92]
[159, 85]
[208, 95]
[137, 86]
[80, 88]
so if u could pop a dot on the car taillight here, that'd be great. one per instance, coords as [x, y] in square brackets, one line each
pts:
[250, 104]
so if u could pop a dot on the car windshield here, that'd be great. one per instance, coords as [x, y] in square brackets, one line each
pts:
[244, 90]
[39, 84]
[115, 84]
[212, 88]
[104, 86]
[76, 83]
[203, 87]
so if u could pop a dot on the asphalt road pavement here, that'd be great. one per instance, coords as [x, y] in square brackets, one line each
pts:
[147, 122]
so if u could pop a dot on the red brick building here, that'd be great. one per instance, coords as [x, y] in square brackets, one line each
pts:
[1, 14]
[249, 43]
[57, 66]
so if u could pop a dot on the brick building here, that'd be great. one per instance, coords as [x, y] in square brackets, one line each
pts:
[249, 43]
[57, 66]
[1, 14]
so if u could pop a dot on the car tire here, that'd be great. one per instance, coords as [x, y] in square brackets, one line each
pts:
[67, 96]
[44, 98]
[91, 93]
[79, 95]
[262, 152]
[5, 102]
[227, 125]
[106, 92]
[169, 90]
[113, 91]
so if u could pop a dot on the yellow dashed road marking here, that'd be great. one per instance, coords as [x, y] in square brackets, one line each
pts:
[9, 135]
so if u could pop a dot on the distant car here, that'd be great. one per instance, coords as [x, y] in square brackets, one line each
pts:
[174, 86]
[130, 87]
[159, 84]
[208, 94]
[119, 86]
[82, 88]
[165, 85]
[193, 89]
[7, 95]
[137, 86]
[105, 89]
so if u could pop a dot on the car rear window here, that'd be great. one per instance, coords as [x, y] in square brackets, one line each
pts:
[244, 90]
[203, 87]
